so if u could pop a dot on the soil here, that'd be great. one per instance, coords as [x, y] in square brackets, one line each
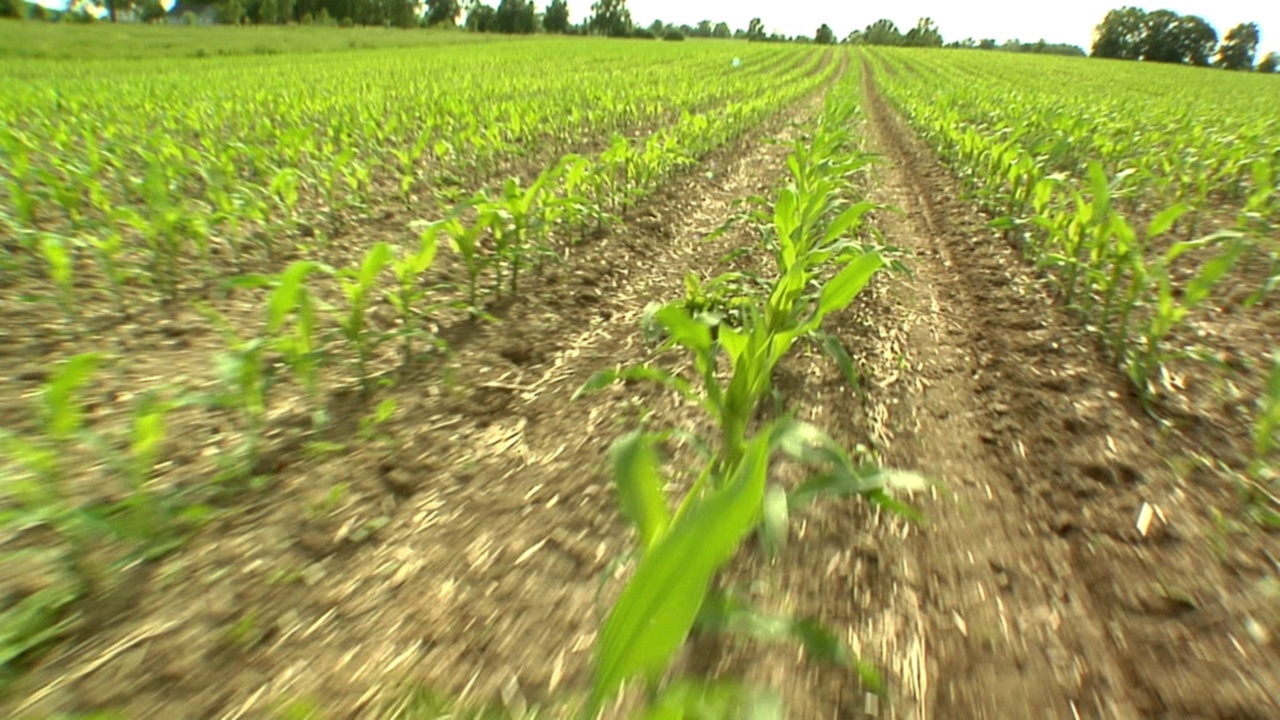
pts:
[468, 543]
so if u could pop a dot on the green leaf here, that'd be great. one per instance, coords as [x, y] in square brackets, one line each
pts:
[427, 249]
[840, 291]
[63, 412]
[1165, 220]
[835, 349]
[844, 479]
[847, 219]
[639, 481]
[684, 329]
[775, 519]
[734, 343]
[724, 612]
[819, 642]
[657, 608]
[288, 294]
[374, 261]
[605, 378]
[696, 699]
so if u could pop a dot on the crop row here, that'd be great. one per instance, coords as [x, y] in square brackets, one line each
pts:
[1141, 204]
[1143, 193]
[820, 255]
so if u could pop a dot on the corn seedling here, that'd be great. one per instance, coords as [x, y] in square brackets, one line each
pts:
[245, 380]
[371, 424]
[1171, 308]
[1266, 429]
[465, 240]
[60, 264]
[358, 288]
[409, 293]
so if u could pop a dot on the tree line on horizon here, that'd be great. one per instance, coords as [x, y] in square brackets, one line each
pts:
[1164, 36]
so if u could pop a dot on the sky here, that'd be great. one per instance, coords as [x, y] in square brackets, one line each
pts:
[1056, 22]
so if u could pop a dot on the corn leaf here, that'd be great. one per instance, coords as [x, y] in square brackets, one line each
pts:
[657, 608]
[639, 481]
[64, 414]
[840, 291]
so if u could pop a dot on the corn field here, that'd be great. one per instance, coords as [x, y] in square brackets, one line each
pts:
[235, 286]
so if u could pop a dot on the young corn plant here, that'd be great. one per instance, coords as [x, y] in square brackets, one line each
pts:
[679, 553]
[409, 294]
[109, 250]
[40, 490]
[407, 162]
[465, 239]
[359, 288]
[289, 300]
[59, 261]
[1171, 308]
[245, 379]
[518, 222]
[35, 491]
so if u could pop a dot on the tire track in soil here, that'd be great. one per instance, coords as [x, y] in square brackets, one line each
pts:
[501, 522]
[1041, 599]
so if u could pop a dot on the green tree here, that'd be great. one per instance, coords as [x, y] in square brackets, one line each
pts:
[514, 17]
[1121, 34]
[722, 30]
[1196, 40]
[924, 34]
[442, 13]
[703, 29]
[824, 35]
[287, 8]
[1269, 64]
[230, 12]
[556, 17]
[1239, 47]
[882, 32]
[755, 30]
[480, 18]
[1161, 36]
[151, 11]
[268, 12]
[610, 17]
[400, 13]
[1171, 38]
[10, 8]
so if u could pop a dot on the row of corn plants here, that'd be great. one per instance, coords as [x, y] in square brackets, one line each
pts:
[86, 188]
[316, 324]
[1117, 206]
[821, 260]
[1140, 217]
